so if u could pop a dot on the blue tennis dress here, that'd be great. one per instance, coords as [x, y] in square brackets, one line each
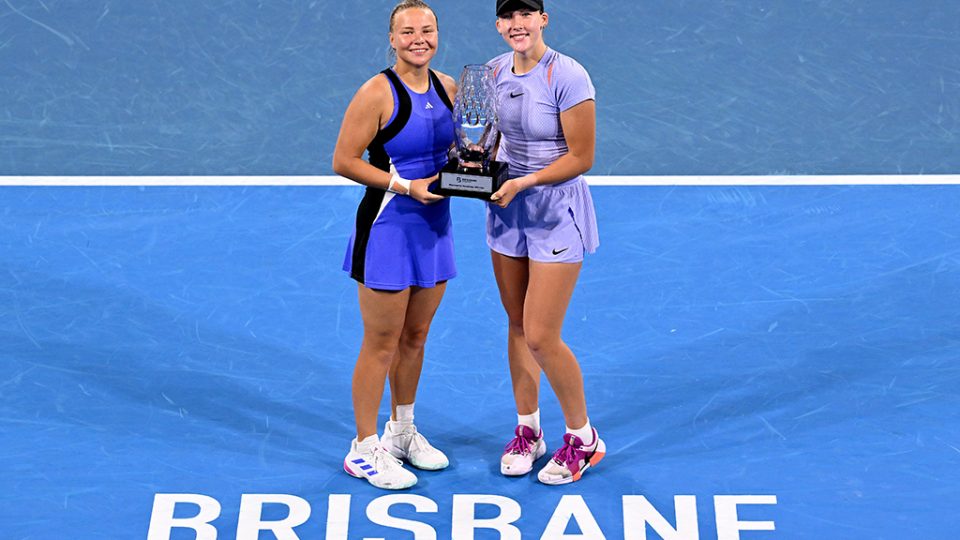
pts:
[397, 241]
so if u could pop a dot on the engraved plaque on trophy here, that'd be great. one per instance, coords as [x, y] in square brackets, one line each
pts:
[471, 172]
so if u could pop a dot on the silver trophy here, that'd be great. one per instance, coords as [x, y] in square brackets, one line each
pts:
[471, 172]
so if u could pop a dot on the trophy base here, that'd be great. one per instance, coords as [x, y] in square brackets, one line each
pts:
[473, 182]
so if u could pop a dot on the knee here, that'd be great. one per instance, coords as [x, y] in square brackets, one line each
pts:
[415, 337]
[515, 321]
[542, 343]
[515, 325]
[382, 345]
[514, 311]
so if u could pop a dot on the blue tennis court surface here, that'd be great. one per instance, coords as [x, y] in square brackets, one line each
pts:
[772, 362]
[796, 343]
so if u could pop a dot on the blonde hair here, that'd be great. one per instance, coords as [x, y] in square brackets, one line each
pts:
[404, 5]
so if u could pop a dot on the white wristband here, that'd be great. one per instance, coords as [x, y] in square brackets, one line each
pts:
[397, 181]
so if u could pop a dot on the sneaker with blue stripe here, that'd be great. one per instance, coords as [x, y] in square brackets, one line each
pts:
[376, 465]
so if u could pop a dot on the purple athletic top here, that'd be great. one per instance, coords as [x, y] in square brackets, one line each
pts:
[530, 107]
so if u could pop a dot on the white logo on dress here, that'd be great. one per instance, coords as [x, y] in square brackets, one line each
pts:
[429, 105]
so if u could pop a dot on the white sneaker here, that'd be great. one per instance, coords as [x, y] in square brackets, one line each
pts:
[378, 467]
[410, 445]
[520, 453]
[572, 460]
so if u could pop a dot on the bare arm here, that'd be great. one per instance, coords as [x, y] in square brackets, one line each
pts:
[579, 130]
[449, 85]
[361, 122]
[370, 107]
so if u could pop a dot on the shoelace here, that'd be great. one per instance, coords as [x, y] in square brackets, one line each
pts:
[569, 455]
[519, 445]
[383, 461]
[420, 441]
[417, 440]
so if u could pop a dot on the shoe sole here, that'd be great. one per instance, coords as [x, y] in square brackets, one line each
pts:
[504, 470]
[423, 467]
[346, 469]
[594, 459]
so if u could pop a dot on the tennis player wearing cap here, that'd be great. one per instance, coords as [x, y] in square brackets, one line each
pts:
[539, 225]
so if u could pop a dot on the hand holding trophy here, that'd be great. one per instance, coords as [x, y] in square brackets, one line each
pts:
[471, 172]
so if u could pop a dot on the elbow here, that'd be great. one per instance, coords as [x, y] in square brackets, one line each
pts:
[586, 162]
[339, 165]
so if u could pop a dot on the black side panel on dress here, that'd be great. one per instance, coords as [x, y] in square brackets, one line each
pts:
[378, 157]
[366, 215]
[373, 198]
[404, 107]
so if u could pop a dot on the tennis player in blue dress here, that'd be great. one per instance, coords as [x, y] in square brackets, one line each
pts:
[401, 250]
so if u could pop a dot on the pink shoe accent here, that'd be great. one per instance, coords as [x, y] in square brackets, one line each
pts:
[523, 442]
[575, 458]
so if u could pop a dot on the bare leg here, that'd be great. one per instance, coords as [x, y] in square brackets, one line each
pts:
[548, 296]
[512, 277]
[383, 316]
[407, 365]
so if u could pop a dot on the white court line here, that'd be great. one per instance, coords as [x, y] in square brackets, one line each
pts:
[773, 180]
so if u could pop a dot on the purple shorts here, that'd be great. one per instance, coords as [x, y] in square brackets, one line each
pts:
[555, 223]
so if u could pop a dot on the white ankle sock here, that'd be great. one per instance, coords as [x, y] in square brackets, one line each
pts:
[530, 420]
[404, 417]
[585, 433]
[405, 413]
[366, 445]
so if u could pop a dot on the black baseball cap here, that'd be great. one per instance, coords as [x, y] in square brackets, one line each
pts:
[506, 6]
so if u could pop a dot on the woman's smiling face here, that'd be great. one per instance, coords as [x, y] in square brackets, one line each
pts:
[522, 29]
[414, 36]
